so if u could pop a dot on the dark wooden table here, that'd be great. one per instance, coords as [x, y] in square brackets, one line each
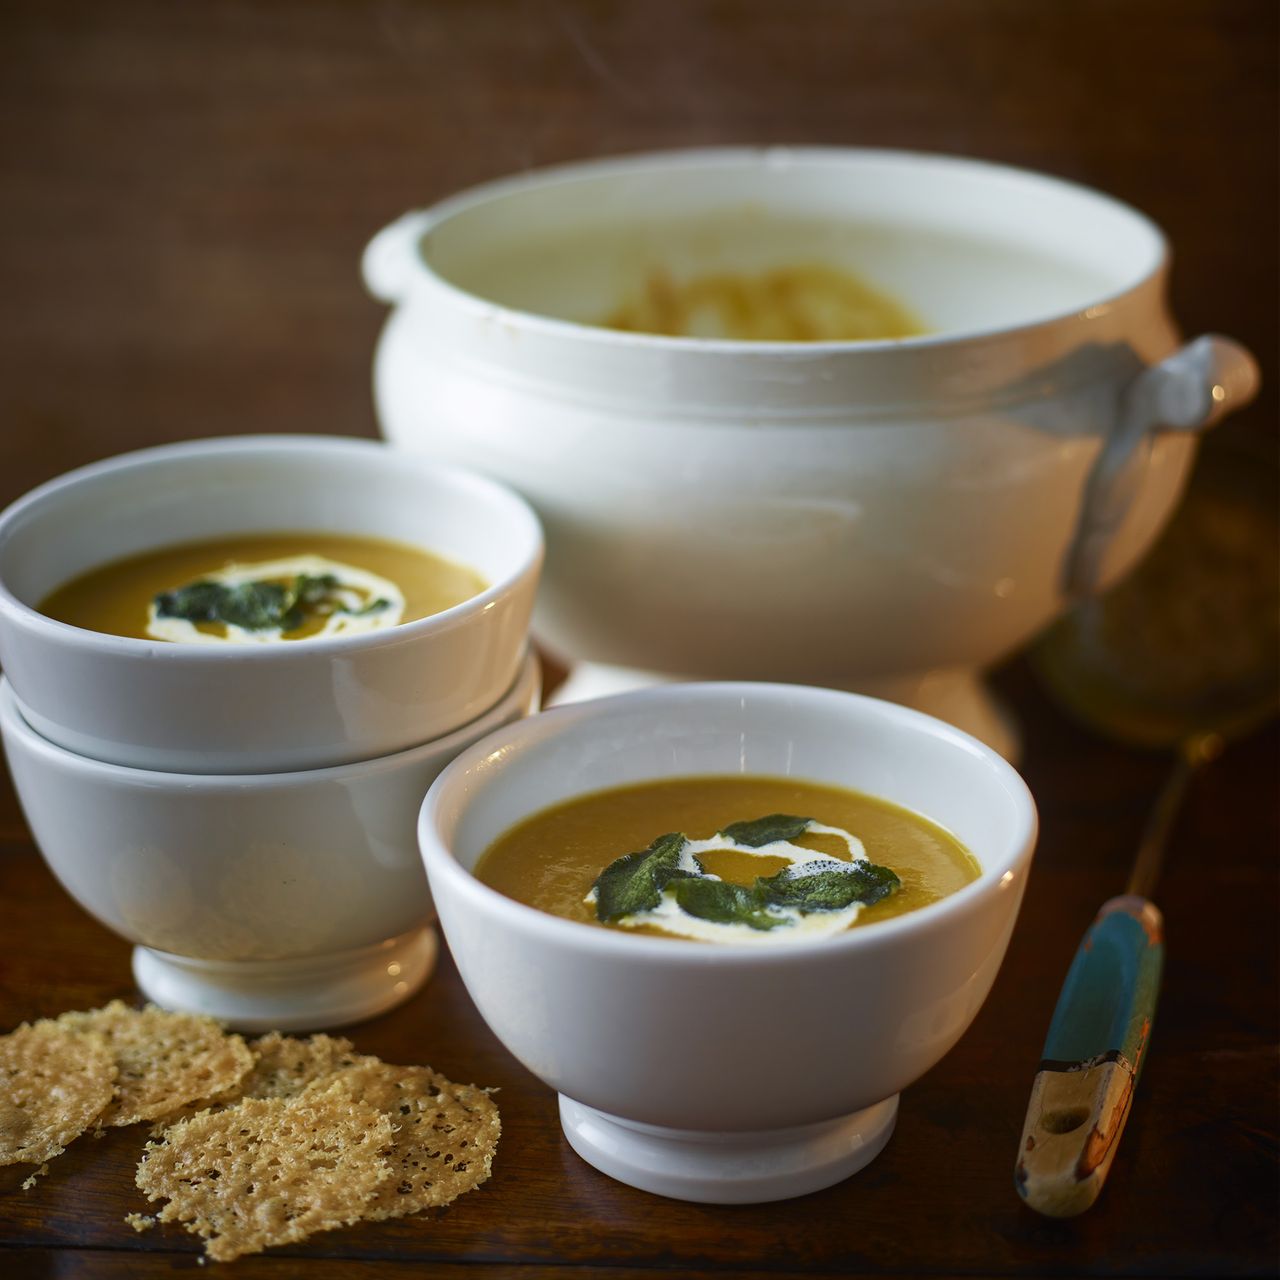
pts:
[184, 193]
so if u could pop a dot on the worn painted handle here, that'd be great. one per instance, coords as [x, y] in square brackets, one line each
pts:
[1092, 1057]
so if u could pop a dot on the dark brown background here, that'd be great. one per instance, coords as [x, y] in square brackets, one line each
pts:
[185, 190]
[187, 187]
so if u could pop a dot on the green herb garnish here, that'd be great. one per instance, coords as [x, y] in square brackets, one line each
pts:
[766, 830]
[256, 606]
[635, 882]
[829, 886]
[314, 588]
[252, 605]
[374, 606]
[727, 903]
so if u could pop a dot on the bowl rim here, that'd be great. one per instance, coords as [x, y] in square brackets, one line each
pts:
[31, 619]
[775, 156]
[14, 724]
[575, 936]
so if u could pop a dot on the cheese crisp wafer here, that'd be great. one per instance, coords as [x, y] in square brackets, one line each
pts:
[258, 1146]
[282, 1068]
[53, 1085]
[163, 1059]
[445, 1139]
[269, 1171]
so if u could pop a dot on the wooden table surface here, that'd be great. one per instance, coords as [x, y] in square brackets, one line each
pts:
[184, 194]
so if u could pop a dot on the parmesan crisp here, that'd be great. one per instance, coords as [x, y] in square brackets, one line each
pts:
[163, 1059]
[445, 1135]
[282, 1068]
[54, 1084]
[258, 1145]
[269, 1171]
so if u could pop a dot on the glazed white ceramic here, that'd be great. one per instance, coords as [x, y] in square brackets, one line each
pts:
[728, 1073]
[282, 900]
[241, 709]
[888, 515]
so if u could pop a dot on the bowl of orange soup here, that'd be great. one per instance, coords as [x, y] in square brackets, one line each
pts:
[263, 603]
[728, 923]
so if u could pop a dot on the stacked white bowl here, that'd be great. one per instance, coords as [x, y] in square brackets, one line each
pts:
[245, 814]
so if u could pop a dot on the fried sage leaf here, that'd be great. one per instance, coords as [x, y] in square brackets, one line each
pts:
[828, 886]
[256, 606]
[767, 830]
[724, 902]
[635, 881]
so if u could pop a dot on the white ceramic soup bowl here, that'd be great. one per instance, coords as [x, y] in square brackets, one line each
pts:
[243, 708]
[736, 1072]
[279, 900]
[885, 515]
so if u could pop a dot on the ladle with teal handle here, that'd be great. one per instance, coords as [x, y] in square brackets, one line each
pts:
[1182, 654]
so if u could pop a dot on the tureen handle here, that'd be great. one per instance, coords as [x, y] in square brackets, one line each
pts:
[1187, 391]
[391, 257]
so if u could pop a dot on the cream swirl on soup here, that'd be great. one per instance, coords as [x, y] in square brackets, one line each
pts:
[264, 588]
[348, 601]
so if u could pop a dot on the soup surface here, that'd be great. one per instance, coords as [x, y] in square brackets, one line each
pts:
[554, 860]
[599, 268]
[261, 588]
[804, 303]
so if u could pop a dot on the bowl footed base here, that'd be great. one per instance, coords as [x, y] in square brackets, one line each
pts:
[958, 695]
[728, 1168]
[312, 993]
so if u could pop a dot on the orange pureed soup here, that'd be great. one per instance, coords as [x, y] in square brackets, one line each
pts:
[263, 587]
[729, 880]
